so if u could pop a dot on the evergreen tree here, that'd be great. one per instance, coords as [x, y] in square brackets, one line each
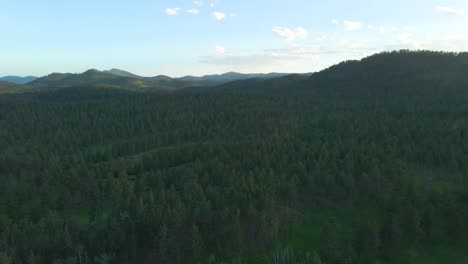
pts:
[197, 244]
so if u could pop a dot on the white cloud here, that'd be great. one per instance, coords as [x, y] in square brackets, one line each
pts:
[404, 38]
[172, 11]
[198, 3]
[455, 43]
[446, 10]
[380, 29]
[220, 49]
[193, 11]
[356, 48]
[219, 15]
[407, 40]
[321, 37]
[212, 5]
[452, 43]
[352, 25]
[265, 58]
[290, 34]
[335, 22]
[303, 52]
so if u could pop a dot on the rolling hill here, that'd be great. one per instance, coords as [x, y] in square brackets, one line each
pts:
[374, 74]
[122, 73]
[18, 79]
[217, 79]
[120, 79]
[8, 87]
[90, 77]
[109, 79]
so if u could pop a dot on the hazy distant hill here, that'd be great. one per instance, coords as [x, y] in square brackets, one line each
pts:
[116, 78]
[90, 77]
[217, 79]
[18, 79]
[110, 79]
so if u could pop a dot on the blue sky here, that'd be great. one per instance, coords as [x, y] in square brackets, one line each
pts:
[181, 37]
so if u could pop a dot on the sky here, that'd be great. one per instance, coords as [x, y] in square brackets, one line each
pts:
[198, 37]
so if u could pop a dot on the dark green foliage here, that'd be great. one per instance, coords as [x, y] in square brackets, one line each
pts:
[8, 87]
[226, 175]
[367, 243]
[315, 258]
[198, 246]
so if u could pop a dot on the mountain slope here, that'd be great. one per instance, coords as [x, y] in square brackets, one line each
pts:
[109, 79]
[90, 77]
[8, 87]
[405, 72]
[122, 73]
[5, 84]
[18, 79]
[217, 79]
[400, 68]
[206, 79]
[120, 79]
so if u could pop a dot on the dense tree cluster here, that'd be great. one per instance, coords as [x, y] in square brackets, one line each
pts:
[230, 175]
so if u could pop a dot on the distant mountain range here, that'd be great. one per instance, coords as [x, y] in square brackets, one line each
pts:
[116, 78]
[410, 73]
[217, 79]
[18, 79]
[111, 79]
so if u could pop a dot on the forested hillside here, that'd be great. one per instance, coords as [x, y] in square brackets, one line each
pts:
[8, 87]
[114, 79]
[365, 162]
[119, 79]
